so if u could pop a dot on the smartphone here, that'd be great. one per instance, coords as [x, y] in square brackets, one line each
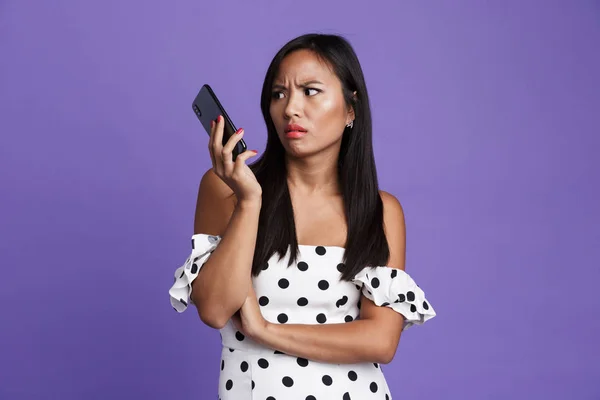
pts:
[207, 108]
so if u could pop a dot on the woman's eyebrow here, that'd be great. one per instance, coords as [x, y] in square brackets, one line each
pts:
[311, 82]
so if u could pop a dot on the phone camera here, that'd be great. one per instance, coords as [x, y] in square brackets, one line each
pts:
[197, 110]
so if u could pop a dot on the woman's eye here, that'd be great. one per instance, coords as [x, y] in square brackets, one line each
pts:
[275, 95]
[307, 91]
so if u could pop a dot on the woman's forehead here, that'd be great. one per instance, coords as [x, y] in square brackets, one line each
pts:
[303, 62]
[303, 66]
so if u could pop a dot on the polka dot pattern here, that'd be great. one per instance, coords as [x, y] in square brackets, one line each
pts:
[179, 293]
[282, 318]
[303, 362]
[302, 301]
[309, 291]
[395, 289]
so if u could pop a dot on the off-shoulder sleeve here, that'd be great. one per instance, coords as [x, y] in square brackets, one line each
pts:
[202, 246]
[394, 288]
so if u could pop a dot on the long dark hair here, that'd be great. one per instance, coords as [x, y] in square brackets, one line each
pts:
[366, 244]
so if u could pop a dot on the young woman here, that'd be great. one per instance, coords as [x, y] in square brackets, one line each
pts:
[298, 259]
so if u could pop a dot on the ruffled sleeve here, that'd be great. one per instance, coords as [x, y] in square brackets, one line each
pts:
[202, 246]
[394, 288]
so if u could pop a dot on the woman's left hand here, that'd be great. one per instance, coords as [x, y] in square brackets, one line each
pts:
[248, 319]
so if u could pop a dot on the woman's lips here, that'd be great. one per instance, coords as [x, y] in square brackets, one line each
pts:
[295, 134]
[294, 131]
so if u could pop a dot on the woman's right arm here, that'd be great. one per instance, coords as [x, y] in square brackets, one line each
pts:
[223, 282]
[229, 202]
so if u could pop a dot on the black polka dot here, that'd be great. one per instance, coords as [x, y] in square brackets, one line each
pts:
[385, 304]
[376, 365]
[229, 384]
[310, 397]
[263, 301]
[193, 244]
[375, 283]
[346, 396]
[357, 287]
[352, 376]
[401, 298]
[425, 305]
[278, 352]
[253, 385]
[264, 364]
[373, 387]
[348, 318]
[302, 301]
[244, 366]
[265, 266]
[413, 308]
[302, 266]
[321, 250]
[239, 336]
[283, 283]
[222, 364]
[410, 296]
[327, 381]
[271, 398]
[394, 273]
[303, 362]
[321, 318]
[231, 350]
[358, 305]
[282, 318]
[323, 285]
[287, 381]
[387, 397]
[341, 301]
[194, 268]
[341, 267]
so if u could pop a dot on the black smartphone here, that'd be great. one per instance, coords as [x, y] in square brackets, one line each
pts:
[207, 108]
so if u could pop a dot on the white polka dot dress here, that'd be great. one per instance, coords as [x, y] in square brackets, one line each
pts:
[308, 292]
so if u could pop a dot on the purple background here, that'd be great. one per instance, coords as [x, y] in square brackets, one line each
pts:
[486, 125]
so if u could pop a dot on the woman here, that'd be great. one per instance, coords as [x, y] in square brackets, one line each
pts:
[286, 250]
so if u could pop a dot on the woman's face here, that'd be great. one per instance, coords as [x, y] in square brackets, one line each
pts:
[306, 92]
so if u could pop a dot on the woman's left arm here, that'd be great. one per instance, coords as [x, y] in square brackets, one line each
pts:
[374, 337]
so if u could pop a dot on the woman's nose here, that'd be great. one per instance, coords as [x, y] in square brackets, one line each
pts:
[293, 106]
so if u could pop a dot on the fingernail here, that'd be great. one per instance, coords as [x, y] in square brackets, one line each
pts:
[219, 118]
[239, 131]
[212, 124]
[255, 151]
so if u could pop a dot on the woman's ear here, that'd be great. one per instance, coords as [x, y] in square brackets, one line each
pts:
[351, 114]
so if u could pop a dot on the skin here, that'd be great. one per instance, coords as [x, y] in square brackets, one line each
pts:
[312, 177]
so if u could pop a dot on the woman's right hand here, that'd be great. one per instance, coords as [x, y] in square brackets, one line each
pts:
[237, 175]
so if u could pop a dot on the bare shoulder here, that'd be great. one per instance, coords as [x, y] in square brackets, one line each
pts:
[395, 229]
[214, 206]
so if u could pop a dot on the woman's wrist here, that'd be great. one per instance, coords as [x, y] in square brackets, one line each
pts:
[253, 203]
[264, 333]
